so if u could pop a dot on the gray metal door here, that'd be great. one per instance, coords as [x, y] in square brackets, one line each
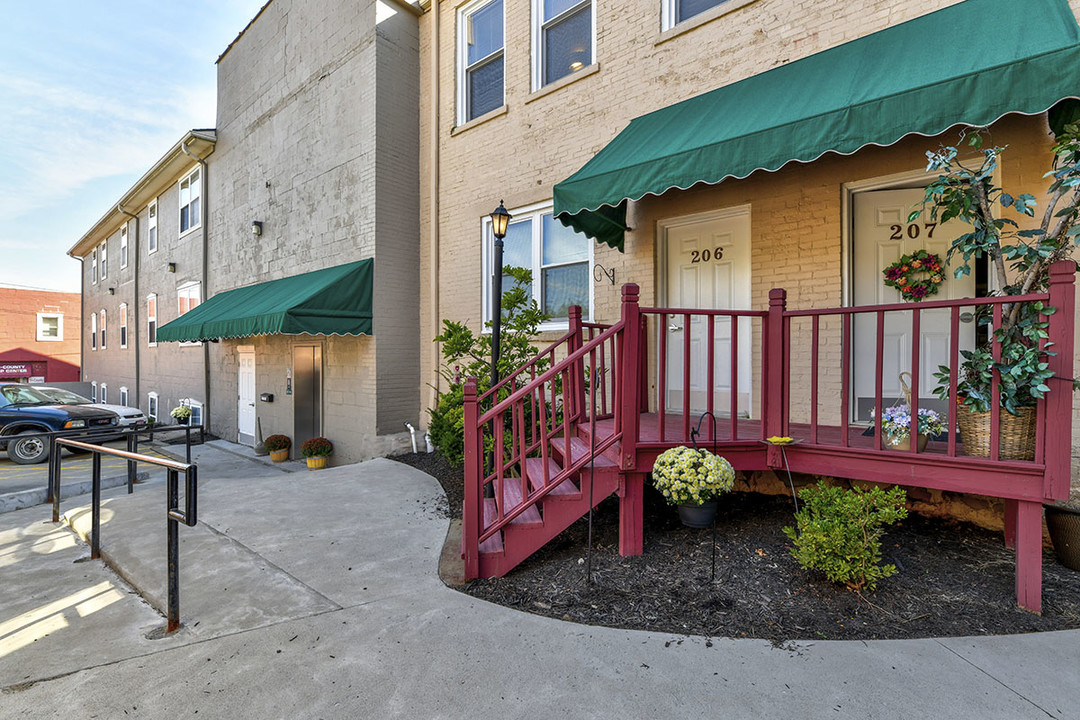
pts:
[307, 393]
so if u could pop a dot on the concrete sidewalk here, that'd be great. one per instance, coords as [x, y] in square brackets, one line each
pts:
[316, 595]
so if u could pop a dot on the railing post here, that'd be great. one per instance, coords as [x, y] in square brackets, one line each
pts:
[1058, 433]
[578, 375]
[54, 458]
[172, 550]
[472, 513]
[133, 448]
[775, 402]
[629, 377]
[95, 507]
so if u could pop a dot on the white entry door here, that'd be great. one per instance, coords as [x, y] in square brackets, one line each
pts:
[245, 409]
[708, 266]
[882, 234]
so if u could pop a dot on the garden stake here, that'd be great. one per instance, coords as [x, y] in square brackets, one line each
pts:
[693, 439]
[592, 465]
[783, 454]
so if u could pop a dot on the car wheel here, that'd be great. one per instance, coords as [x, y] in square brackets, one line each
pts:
[29, 451]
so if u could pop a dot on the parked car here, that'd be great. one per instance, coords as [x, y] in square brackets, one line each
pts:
[25, 411]
[130, 417]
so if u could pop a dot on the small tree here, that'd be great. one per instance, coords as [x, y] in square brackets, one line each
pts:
[970, 194]
[466, 354]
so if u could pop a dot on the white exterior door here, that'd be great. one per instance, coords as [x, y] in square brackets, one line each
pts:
[708, 266]
[882, 234]
[245, 410]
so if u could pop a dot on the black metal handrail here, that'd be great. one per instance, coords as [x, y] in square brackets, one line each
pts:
[188, 515]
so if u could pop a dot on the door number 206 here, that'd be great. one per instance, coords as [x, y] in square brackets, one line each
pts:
[698, 256]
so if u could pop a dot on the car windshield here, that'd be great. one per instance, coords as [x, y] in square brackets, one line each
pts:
[63, 397]
[25, 395]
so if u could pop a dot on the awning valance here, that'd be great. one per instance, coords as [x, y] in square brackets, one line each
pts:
[334, 301]
[968, 63]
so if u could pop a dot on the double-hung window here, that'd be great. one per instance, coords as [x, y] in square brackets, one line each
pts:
[102, 329]
[151, 320]
[152, 406]
[123, 246]
[480, 59]
[103, 254]
[93, 331]
[123, 325]
[558, 258]
[123, 395]
[151, 227]
[563, 39]
[104, 394]
[677, 11]
[50, 327]
[190, 194]
[93, 390]
[187, 298]
[93, 268]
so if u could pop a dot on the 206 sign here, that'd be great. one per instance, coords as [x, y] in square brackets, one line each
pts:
[706, 255]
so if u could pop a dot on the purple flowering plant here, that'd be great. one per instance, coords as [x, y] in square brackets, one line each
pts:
[896, 422]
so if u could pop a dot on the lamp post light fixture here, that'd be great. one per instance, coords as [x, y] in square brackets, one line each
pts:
[500, 220]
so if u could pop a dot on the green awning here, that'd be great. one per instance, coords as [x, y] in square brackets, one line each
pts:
[334, 301]
[969, 63]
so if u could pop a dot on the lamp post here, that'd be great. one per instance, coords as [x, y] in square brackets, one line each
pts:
[500, 220]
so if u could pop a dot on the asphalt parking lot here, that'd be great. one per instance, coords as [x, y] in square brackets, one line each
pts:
[17, 478]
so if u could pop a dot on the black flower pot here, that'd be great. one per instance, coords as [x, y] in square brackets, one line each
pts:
[1064, 526]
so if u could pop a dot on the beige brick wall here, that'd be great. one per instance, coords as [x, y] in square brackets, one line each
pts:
[542, 138]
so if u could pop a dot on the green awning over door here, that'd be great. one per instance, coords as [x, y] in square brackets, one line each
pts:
[334, 301]
[968, 63]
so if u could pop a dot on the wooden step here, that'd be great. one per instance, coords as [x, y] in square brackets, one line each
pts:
[493, 544]
[580, 448]
[534, 471]
[512, 499]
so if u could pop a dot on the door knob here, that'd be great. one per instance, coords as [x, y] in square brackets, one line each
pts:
[674, 328]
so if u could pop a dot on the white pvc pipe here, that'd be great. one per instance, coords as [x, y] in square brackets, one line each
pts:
[412, 434]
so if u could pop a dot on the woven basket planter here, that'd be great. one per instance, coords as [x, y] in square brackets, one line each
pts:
[279, 455]
[1064, 526]
[316, 463]
[1016, 433]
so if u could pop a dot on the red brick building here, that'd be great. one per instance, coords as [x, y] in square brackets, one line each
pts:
[39, 336]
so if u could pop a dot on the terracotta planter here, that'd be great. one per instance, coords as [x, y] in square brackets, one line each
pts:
[1064, 526]
[279, 455]
[888, 443]
[315, 463]
[1016, 433]
[698, 516]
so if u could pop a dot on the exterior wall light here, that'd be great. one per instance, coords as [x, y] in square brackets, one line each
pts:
[112, 291]
[171, 267]
[256, 228]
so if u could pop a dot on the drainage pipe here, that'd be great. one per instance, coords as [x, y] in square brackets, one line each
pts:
[205, 219]
[412, 434]
[133, 309]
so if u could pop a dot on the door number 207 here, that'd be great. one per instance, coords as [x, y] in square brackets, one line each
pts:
[913, 230]
[697, 256]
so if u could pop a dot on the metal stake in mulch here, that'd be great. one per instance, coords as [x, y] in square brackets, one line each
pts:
[782, 443]
[693, 439]
[592, 465]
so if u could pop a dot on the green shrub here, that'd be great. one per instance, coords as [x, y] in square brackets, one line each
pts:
[839, 532]
[466, 354]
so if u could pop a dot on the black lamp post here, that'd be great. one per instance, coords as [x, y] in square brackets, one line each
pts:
[500, 219]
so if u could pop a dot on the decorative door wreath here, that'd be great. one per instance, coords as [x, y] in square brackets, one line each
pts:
[916, 276]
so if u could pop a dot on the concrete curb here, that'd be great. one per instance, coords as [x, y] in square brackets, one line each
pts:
[23, 499]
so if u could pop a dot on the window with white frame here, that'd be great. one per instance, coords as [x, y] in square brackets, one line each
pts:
[677, 11]
[103, 254]
[103, 395]
[196, 411]
[563, 39]
[152, 406]
[151, 320]
[101, 324]
[93, 267]
[93, 331]
[187, 297]
[190, 194]
[480, 59]
[123, 325]
[151, 227]
[93, 390]
[123, 395]
[123, 246]
[50, 327]
[558, 258]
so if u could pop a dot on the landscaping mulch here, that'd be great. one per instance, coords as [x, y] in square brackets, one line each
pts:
[954, 578]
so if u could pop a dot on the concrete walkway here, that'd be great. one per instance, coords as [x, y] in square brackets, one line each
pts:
[316, 595]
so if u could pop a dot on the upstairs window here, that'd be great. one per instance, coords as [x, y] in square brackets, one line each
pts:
[102, 329]
[123, 246]
[480, 59]
[103, 254]
[151, 227]
[151, 320]
[93, 268]
[562, 38]
[123, 326]
[93, 331]
[187, 298]
[190, 193]
[677, 11]
[50, 327]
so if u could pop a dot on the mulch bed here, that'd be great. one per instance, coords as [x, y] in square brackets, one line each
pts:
[954, 579]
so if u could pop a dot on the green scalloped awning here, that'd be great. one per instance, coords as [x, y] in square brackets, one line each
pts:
[969, 63]
[334, 301]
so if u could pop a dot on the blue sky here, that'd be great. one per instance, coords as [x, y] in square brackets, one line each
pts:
[92, 93]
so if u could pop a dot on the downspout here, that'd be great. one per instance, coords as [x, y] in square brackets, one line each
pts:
[134, 311]
[433, 192]
[205, 275]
